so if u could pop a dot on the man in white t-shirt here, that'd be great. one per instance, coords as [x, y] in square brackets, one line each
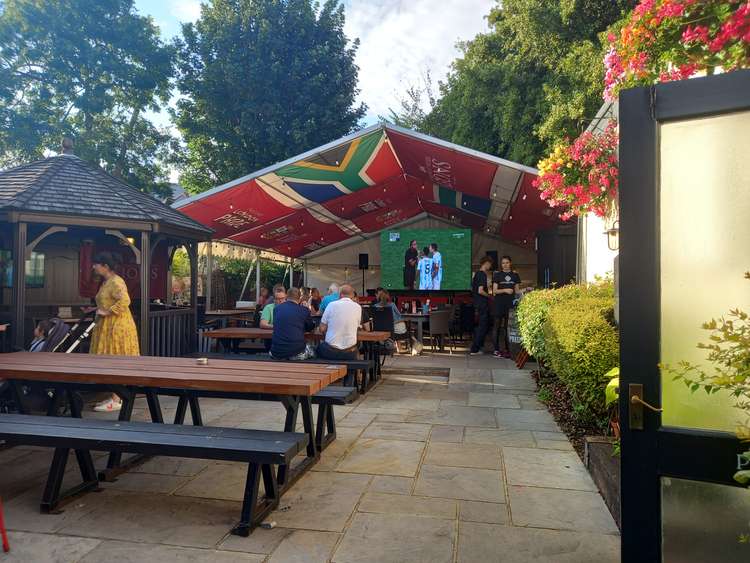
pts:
[340, 323]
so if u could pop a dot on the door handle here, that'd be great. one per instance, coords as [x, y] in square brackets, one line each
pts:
[635, 412]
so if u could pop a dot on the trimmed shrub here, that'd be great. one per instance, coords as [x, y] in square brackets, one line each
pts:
[582, 344]
[534, 308]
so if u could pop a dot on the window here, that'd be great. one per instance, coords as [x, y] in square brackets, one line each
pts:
[34, 269]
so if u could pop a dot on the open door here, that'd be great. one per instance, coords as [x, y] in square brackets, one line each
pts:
[685, 245]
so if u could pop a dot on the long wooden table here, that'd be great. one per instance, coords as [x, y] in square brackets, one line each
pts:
[367, 338]
[243, 333]
[292, 384]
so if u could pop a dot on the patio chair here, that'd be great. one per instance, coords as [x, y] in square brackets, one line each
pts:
[440, 327]
[382, 319]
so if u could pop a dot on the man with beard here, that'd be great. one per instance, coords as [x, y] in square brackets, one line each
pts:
[410, 265]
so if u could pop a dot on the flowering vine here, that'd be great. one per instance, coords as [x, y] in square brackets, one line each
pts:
[582, 176]
[668, 40]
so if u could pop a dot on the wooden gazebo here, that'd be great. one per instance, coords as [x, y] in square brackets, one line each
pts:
[54, 213]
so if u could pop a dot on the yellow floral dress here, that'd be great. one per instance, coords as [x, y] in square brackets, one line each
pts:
[115, 333]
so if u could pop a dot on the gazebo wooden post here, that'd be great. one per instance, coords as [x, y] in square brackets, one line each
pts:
[19, 282]
[145, 292]
[192, 249]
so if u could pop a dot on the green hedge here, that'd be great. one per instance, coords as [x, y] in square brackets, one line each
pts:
[572, 330]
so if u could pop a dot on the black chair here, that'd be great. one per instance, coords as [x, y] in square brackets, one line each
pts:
[467, 319]
[440, 327]
[382, 319]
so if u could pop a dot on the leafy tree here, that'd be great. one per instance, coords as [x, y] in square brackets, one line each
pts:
[88, 69]
[411, 112]
[262, 80]
[535, 77]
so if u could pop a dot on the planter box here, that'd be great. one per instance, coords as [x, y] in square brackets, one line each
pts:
[605, 471]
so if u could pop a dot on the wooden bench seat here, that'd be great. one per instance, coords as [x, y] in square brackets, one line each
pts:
[260, 449]
[326, 398]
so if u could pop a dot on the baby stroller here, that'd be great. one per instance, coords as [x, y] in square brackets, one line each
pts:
[59, 338]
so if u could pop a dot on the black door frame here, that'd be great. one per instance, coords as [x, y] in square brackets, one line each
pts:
[658, 451]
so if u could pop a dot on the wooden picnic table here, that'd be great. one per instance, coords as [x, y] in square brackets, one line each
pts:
[369, 339]
[292, 384]
[246, 333]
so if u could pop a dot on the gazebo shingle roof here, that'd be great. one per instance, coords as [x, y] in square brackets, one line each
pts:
[67, 185]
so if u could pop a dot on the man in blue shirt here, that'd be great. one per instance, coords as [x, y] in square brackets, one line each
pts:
[290, 322]
[333, 295]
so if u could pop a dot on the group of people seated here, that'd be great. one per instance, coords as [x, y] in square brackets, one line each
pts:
[290, 317]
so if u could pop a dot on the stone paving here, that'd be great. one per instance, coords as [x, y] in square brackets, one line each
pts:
[426, 468]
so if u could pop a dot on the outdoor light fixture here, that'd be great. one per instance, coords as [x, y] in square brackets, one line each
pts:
[613, 236]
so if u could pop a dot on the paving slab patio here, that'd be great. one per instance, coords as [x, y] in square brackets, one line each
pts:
[463, 468]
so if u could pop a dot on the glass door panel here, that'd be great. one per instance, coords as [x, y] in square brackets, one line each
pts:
[703, 522]
[704, 211]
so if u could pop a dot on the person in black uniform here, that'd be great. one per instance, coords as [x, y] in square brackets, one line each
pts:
[481, 294]
[410, 265]
[505, 286]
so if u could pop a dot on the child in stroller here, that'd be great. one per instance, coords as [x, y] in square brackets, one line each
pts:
[48, 335]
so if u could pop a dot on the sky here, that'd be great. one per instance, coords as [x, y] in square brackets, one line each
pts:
[400, 41]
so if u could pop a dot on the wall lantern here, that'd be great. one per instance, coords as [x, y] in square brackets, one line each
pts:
[613, 236]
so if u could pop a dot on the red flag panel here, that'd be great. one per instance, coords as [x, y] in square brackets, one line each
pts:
[446, 167]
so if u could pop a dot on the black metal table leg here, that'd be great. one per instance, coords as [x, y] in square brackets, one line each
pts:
[154, 407]
[115, 465]
[291, 404]
[182, 404]
[195, 410]
[307, 421]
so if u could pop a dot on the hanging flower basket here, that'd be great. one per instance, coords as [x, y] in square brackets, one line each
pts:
[668, 40]
[582, 177]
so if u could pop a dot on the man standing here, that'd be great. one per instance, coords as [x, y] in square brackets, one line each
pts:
[291, 321]
[332, 295]
[481, 294]
[437, 266]
[410, 265]
[340, 324]
[425, 269]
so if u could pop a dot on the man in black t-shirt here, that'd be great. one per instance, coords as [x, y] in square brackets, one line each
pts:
[505, 286]
[481, 294]
[410, 265]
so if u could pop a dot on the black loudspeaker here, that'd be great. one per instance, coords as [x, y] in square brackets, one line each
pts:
[495, 262]
[364, 261]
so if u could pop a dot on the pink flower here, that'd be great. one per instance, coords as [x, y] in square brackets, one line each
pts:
[697, 33]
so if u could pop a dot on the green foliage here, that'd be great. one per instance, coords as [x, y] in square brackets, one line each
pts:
[729, 353]
[612, 391]
[534, 308]
[535, 78]
[262, 79]
[181, 264]
[87, 69]
[583, 344]
[544, 395]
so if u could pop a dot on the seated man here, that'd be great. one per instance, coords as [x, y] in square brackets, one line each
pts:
[333, 295]
[339, 324]
[279, 296]
[290, 322]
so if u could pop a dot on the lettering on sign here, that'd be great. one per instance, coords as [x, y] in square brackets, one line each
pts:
[278, 233]
[372, 205]
[237, 219]
[742, 462]
[389, 218]
[440, 172]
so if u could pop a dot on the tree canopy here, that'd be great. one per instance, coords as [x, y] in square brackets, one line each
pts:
[262, 80]
[88, 69]
[535, 77]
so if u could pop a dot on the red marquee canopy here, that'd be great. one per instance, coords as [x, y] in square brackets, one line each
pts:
[368, 181]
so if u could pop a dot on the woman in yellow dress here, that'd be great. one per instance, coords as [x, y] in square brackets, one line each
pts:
[115, 331]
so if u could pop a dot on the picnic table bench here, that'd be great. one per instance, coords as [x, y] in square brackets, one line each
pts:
[127, 375]
[368, 339]
[260, 449]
